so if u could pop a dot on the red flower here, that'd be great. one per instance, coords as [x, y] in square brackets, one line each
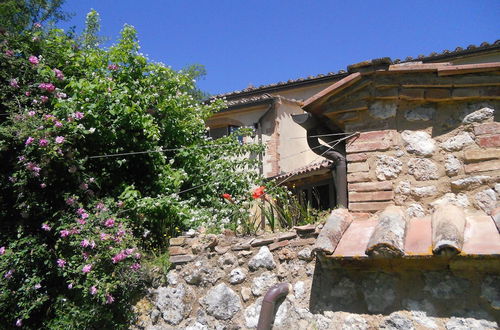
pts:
[258, 192]
[227, 196]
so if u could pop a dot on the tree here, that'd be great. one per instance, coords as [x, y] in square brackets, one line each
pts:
[19, 15]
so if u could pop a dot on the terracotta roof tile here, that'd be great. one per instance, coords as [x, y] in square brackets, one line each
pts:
[325, 163]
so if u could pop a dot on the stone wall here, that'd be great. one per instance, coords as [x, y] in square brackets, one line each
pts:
[218, 282]
[426, 155]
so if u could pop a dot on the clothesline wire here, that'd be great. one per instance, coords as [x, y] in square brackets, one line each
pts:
[321, 135]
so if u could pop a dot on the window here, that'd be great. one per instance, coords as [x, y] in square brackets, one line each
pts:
[319, 195]
[218, 132]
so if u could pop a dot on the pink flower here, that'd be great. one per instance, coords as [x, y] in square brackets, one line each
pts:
[64, 233]
[27, 93]
[104, 236]
[113, 67]
[58, 124]
[137, 256]
[135, 266]
[9, 52]
[33, 168]
[87, 268]
[29, 140]
[81, 221]
[37, 25]
[44, 98]
[78, 115]
[13, 83]
[19, 323]
[84, 215]
[46, 227]
[61, 263]
[43, 185]
[84, 186]
[109, 299]
[31, 113]
[119, 257]
[85, 255]
[58, 73]
[93, 290]
[85, 243]
[33, 60]
[92, 244]
[37, 286]
[47, 87]
[49, 117]
[100, 206]
[43, 142]
[2, 250]
[110, 222]
[59, 139]
[9, 274]
[61, 95]
[80, 211]
[70, 201]
[70, 286]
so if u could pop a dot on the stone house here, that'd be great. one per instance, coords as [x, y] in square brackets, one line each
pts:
[415, 241]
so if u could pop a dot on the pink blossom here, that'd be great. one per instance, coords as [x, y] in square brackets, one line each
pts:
[113, 67]
[81, 221]
[78, 115]
[104, 236]
[9, 52]
[84, 215]
[74, 231]
[31, 113]
[49, 117]
[34, 102]
[9, 274]
[100, 206]
[21, 158]
[37, 25]
[119, 204]
[135, 266]
[46, 227]
[129, 251]
[29, 140]
[59, 139]
[43, 185]
[37, 286]
[19, 323]
[49, 87]
[58, 124]
[58, 73]
[61, 263]
[13, 83]
[85, 255]
[110, 222]
[27, 93]
[2, 250]
[85, 243]
[80, 211]
[119, 257]
[64, 233]
[43, 142]
[93, 290]
[12, 179]
[44, 98]
[87, 268]
[33, 60]
[70, 286]
[70, 201]
[137, 255]
[61, 95]
[33, 168]
[84, 186]
[109, 299]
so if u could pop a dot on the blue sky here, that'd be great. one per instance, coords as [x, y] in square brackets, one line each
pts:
[260, 42]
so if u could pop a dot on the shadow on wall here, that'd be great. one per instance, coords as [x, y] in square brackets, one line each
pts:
[438, 293]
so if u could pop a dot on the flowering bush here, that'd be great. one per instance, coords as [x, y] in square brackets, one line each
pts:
[103, 155]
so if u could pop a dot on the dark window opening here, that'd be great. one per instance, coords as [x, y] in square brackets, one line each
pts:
[218, 132]
[319, 195]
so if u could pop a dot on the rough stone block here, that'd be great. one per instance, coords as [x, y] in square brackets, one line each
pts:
[489, 141]
[302, 242]
[483, 166]
[465, 93]
[177, 250]
[412, 93]
[262, 241]
[177, 241]
[487, 128]
[370, 186]
[367, 146]
[286, 236]
[357, 157]
[181, 259]
[278, 245]
[369, 206]
[437, 94]
[371, 196]
[358, 177]
[358, 167]
[481, 154]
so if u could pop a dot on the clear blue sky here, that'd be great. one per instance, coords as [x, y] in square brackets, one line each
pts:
[260, 42]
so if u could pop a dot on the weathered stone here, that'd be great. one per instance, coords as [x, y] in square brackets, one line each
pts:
[332, 232]
[245, 294]
[423, 169]
[420, 114]
[237, 276]
[382, 110]
[154, 315]
[415, 210]
[357, 167]
[286, 236]
[299, 289]
[222, 249]
[388, 167]
[452, 165]
[172, 277]
[473, 155]
[354, 322]
[479, 116]
[344, 292]
[305, 229]
[252, 313]
[263, 282]
[305, 254]
[387, 239]
[177, 241]
[310, 269]
[421, 192]
[489, 141]
[486, 200]
[470, 182]
[419, 311]
[245, 253]
[397, 321]
[302, 242]
[262, 241]
[379, 291]
[487, 128]
[181, 259]
[199, 275]
[286, 254]
[419, 143]
[228, 260]
[459, 323]
[174, 303]
[263, 259]
[403, 188]
[455, 199]
[277, 245]
[490, 290]
[458, 142]
[177, 250]
[221, 302]
[491, 165]
[444, 285]
[371, 186]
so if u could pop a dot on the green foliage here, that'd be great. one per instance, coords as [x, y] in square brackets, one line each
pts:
[104, 157]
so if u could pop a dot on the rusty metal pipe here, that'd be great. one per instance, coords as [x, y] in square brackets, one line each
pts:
[269, 303]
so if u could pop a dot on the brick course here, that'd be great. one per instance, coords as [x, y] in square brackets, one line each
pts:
[489, 141]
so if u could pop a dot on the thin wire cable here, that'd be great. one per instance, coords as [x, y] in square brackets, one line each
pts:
[322, 135]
